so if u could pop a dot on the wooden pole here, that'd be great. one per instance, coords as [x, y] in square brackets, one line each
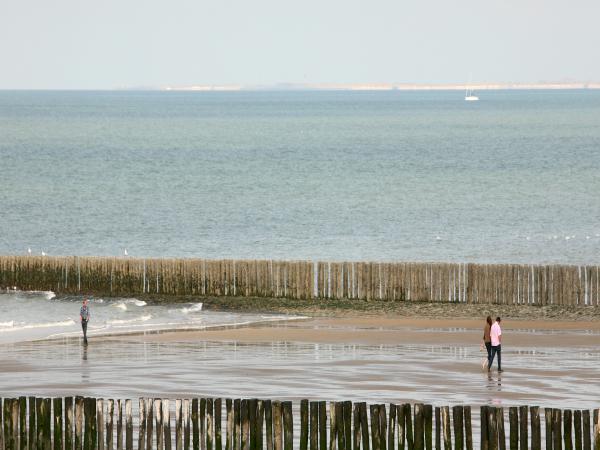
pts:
[322, 425]
[32, 438]
[457, 414]
[252, 406]
[186, 424]
[269, 423]
[513, 419]
[149, 423]
[288, 426]
[277, 426]
[347, 413]
[78, 422]
[304, 424]
[260, 419]
[536, 431]
[484, 439]
[229, 426]
[99, 423]
[58, 424]
[202, 419]
[364, 426]
[159, 424]
[110, 412]
[409, 427]
[218, 411]
[245, 425]
[568, 425]
[210, 426]
[195, 427]
[429, 427]
[332, 426]
[577, 428]
[492, 427]
[23, 423]
[178, 424]
[500, 425]
[391, 437]
[556, 429]
[128, 426]
[446, 426]
[438, 430]
[523, 434]
[237, 430]
[314, 425]
[375, 438]
[69, 423]
[468, 428]
[548, 426]
[587, 441]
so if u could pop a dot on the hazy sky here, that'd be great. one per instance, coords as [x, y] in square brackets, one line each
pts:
[89, 44]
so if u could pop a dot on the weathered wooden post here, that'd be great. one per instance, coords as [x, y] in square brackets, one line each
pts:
[252, 406]
[178, 424]
[210, 424]
[195, 427]
[596, 429]
[556, 429]
[32, 438]
[69, 423]
[303, 424]
[244, 419]
[58, 423]
[218, 412]
[364, 426]
[128, 426]
[468, 428]
[391, 437]
[587, 440]
[457, 415]
[513, 419]
[237, 430]
[446, 426]
[277, 426]
[166, 422]
[186, 424]
[314, 426]
[99, 423]
[23, 423]
[269, 423]
[79, 408]
[536, 430]
[577, 427]
[501, 432]
[548, 425]
[159, 423]
[149, 424]
[288, 426]
[484, 439]
[408, 427]
[419, 443]
[523, 433]
[260, 421]
[142, 424]
[429, 428]
[568, 425]
[438, 430]
[492, 427]
[375, 438]
[347, 414]
[110, 412]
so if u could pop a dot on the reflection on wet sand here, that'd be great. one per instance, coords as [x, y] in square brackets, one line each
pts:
[438, 374]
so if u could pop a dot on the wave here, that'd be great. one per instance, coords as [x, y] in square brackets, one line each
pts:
[192, 309]
[130, 301]
[64, 323]
[143, 318]
[8, 324]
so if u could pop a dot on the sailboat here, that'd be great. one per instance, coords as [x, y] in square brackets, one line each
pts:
[469, 95]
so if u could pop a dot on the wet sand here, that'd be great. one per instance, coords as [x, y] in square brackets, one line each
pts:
[357, 358]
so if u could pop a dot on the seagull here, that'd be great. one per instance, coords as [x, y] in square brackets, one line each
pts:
[438, 238]
[125, 253]
[29, 251]
[527, 238]
[567, 238]
[43, 253]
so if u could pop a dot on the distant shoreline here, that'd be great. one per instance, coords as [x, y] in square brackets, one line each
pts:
[387, 87]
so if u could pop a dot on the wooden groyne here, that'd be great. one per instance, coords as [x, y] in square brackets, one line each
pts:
[78, 423]
[444, 282]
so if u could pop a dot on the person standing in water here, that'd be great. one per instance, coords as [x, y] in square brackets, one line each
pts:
[487, 339]
[84, 315]
[496, 338]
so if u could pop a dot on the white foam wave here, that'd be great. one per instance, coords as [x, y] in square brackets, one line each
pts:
[135, 301]
[192, 309]
[8, 324]
[121, 305]
[64, 323]
[143, 318]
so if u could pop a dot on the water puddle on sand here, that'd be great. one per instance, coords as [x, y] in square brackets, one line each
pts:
[437, 374]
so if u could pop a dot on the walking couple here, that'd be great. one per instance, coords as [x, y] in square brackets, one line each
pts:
[492, 338]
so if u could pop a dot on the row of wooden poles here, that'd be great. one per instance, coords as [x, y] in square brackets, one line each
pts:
[78, 423]
[451, 282]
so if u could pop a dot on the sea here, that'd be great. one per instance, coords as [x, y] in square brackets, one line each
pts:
[315, 175]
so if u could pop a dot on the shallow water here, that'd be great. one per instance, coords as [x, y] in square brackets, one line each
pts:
[438, 374]
[28, 316]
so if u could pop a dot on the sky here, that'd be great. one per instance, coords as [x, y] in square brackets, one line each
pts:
[85, 44]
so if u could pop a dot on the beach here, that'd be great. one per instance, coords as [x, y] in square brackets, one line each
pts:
[357, 358]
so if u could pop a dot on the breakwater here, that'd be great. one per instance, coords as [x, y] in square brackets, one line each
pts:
[78, 423]
[445, 282]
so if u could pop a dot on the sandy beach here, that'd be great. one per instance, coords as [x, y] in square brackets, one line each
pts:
[373, 358]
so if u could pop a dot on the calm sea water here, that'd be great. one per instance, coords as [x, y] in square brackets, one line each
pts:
[514, 177]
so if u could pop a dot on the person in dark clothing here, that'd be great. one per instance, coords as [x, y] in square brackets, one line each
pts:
[84, 315]
[487, 339]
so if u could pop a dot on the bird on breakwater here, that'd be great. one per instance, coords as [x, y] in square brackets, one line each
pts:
[125, 253]
[29, 251]
[43, 253]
